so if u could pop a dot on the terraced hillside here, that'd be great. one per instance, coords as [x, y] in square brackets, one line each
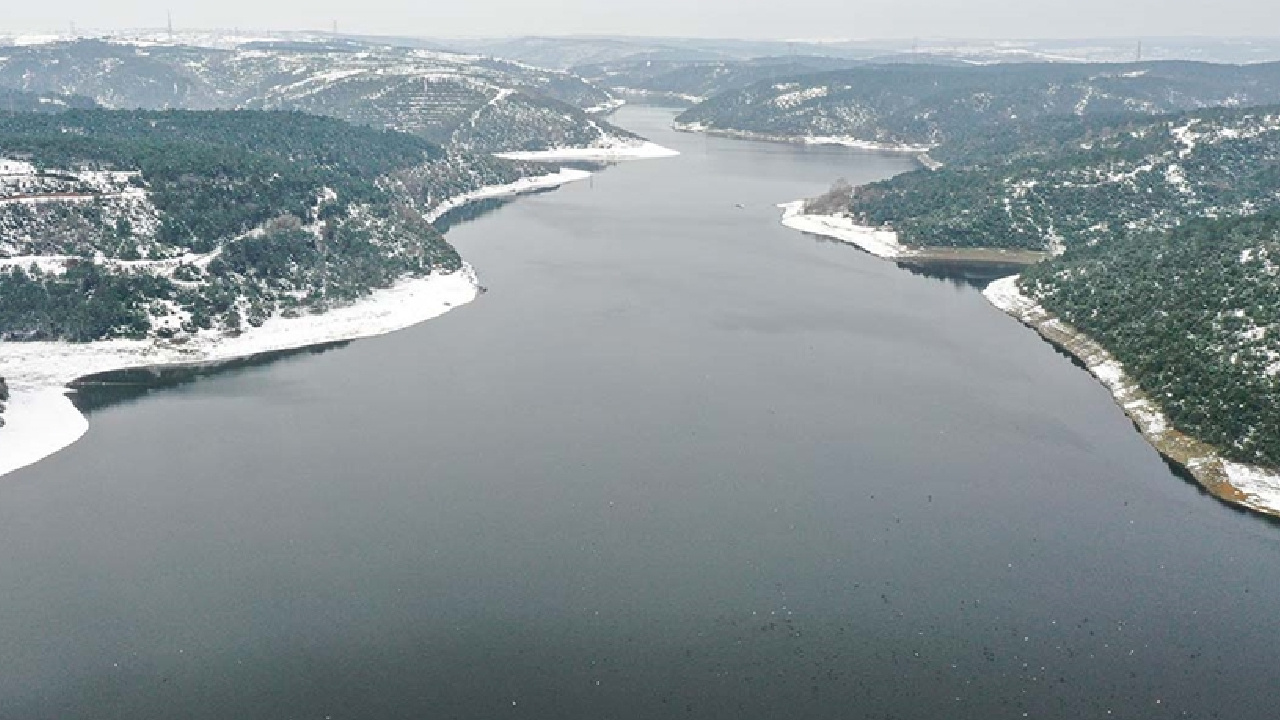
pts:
[470, 102]
[928, 105]
[646, 79]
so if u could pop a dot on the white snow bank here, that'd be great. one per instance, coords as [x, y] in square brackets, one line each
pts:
[841, 140]
[1007, 296]
[38, 423]
[523, 185]
[41, 420]
[16, 167]
[852, 142]
[1259, 488]
[641, 151]
[878, 242]
[605, 107]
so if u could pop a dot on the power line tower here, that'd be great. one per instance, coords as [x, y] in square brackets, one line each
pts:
[1139, 51]
[169, 17]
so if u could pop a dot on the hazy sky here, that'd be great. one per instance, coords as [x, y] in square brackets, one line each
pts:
[703, 18]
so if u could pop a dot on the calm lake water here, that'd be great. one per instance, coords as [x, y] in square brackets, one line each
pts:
[679, 462]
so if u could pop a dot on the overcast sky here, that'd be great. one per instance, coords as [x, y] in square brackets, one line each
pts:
[792, 19]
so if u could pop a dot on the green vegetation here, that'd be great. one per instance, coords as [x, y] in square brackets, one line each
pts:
[1074, 182]
[458, 101]
[218, 174]
[87, 302]
[937, 105]
[231, 217]
[1194, 315]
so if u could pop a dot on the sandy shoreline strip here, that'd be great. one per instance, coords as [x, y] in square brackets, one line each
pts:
[41, 419]
[1251, 487]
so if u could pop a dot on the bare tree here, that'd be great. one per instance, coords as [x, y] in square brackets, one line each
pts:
[833, 202]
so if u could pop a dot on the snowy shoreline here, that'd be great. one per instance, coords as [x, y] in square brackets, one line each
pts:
[878, 242]
[1251, 487]
[883, 243]
[41, 419]
[642, 151]
[524, 185]
[837, 140]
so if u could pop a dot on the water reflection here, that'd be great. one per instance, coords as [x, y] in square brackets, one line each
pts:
[963, 274]
[469, 212]
[99, 391]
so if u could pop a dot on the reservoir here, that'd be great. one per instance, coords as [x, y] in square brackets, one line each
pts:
[679, 461]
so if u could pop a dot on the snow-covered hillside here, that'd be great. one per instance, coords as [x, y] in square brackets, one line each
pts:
[468, 101]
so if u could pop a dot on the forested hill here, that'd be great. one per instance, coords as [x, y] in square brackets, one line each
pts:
[142, 223]
[1194, 316]
[22, 101]
[1079, 182]
[462, 101]
[1166, 240]
[934, 105]
[660, 80]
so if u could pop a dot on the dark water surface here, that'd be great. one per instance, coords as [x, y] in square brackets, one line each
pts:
[678, 462]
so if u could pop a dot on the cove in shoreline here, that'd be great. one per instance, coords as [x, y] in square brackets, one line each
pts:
[1254, 488]
[41, 418]
[1245, 486]
[883, 243]
[920, 151]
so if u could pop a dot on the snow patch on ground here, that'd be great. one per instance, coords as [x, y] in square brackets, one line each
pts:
[523, 185]
[640, 151]
[789, 100]
[840, 140]
[878, 242]
[16, 167]
[39, 422]
[1260, 486]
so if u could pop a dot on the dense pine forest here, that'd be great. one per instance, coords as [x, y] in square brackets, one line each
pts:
[938, 105]
[142, 223]
[1194, 315]
[1073, 182]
